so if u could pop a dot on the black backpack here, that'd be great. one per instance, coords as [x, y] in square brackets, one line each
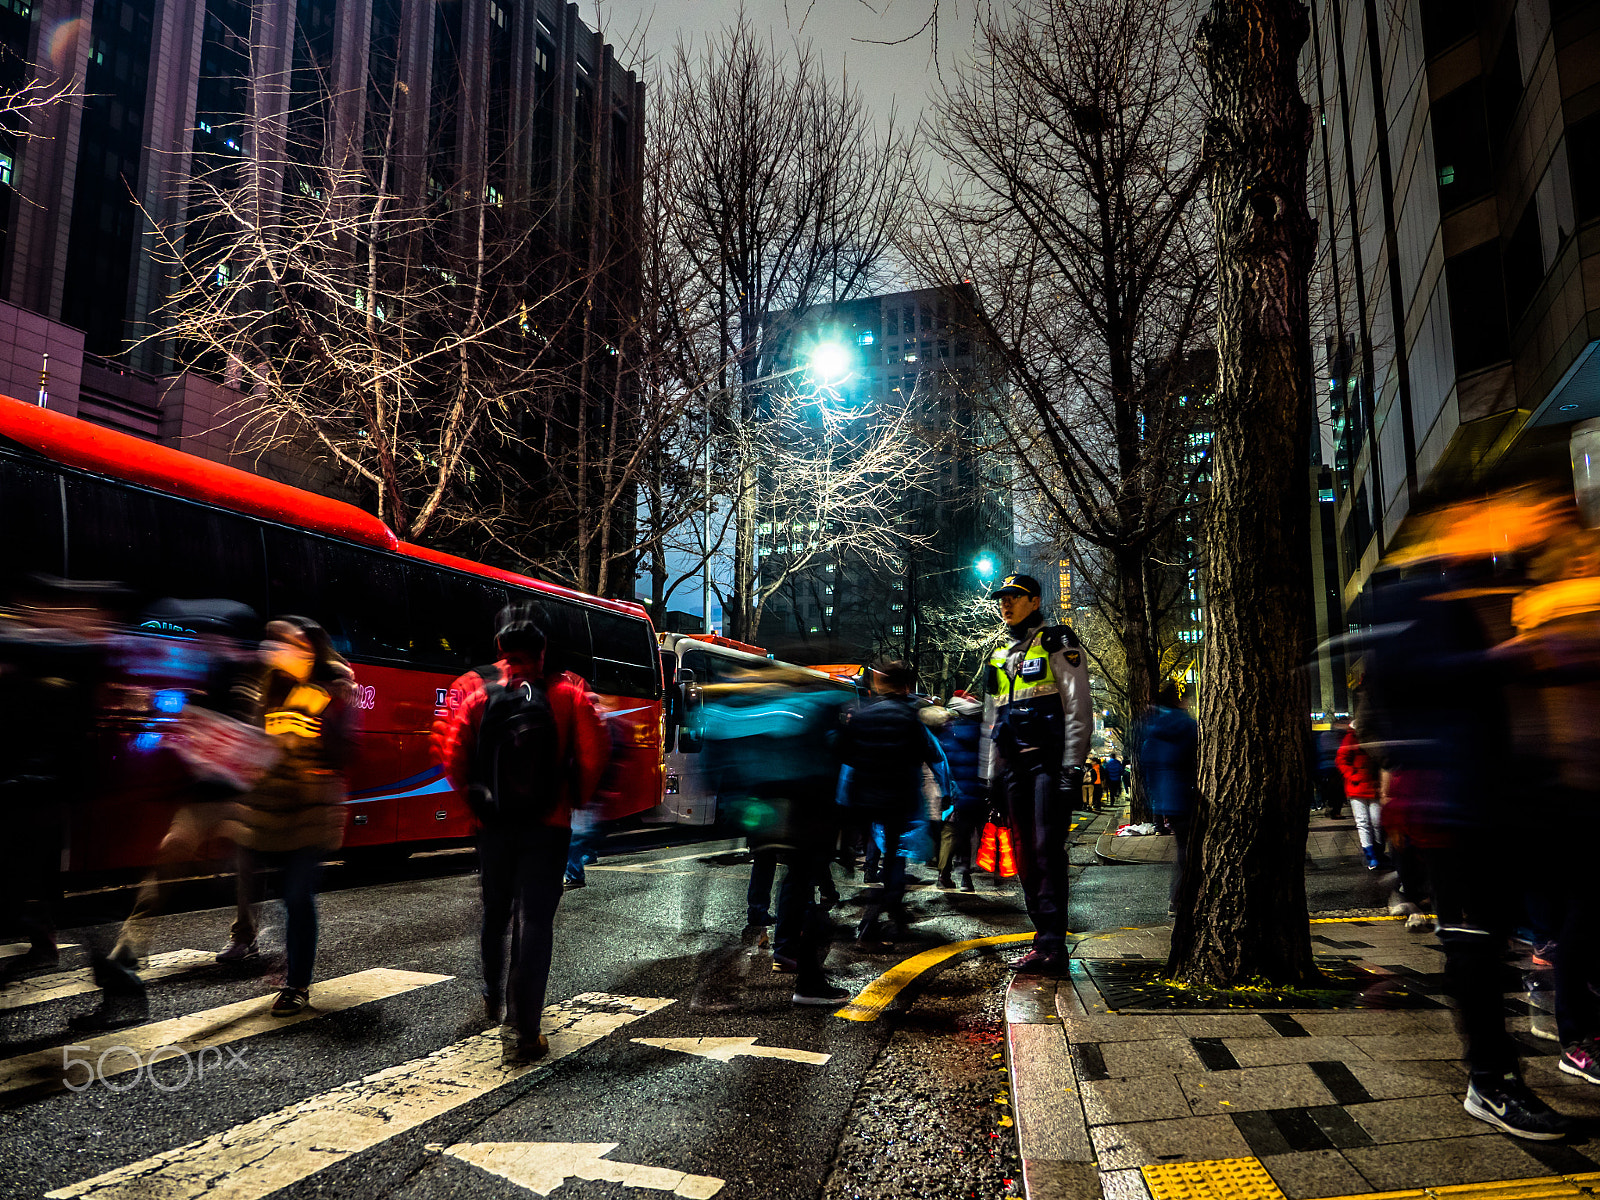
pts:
[885, 746]
[516, 774]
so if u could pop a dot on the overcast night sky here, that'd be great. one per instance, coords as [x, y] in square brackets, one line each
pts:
[841, 30]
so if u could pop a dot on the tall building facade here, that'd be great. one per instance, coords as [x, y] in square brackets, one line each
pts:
[905, 348]
[519, 93]
[1456, 296]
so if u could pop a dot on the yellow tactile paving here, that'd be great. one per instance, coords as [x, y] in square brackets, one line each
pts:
[1247, 1179]
[1233, 1178]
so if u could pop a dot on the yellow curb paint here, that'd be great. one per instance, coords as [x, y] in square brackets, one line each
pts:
[881, 992]
[1349, 920]
[129, 1049]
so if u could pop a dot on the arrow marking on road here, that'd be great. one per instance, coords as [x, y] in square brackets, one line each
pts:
[727, 1049]
[542, 1167]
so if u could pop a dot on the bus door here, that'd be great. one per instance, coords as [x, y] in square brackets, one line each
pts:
[691, 797]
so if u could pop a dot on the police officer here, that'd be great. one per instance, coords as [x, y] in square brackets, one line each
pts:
[1039, 720]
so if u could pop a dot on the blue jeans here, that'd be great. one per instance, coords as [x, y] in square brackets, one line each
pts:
[587, 830]
[758, 896]
[301, 870]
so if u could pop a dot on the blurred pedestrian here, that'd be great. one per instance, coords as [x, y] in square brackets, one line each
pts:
[1097, 790]
[960, 736]
[1329, 780]
[302, 695]
[1169, 759]
[1437, 724]
[220, 638]
[1040, 717]
[1361, 790]
[526, 750]
[1111, 771]
[885, 745]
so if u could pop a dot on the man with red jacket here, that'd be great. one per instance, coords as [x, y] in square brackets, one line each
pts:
[526, 750]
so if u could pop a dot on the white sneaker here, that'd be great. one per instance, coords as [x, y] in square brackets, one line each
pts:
[1420, 921]
[1399, 906]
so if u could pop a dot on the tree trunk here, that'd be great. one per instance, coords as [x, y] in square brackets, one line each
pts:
[1243, 916]
[1140, 667]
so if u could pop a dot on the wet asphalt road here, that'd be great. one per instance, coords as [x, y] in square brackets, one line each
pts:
[909, 1104]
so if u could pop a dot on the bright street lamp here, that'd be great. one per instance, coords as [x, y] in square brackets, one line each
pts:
[985, 567]
[830, 362]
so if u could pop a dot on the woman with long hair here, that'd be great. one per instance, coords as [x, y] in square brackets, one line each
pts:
[302, 695]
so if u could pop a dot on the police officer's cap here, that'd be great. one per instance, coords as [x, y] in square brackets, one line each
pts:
[1017, 585]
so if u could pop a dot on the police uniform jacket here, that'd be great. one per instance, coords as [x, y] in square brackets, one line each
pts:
[1037, 709]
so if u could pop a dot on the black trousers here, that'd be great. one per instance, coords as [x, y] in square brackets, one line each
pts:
[1182, 830]
[1330, 791]
[1040, 821]
[520, 871]
[1474, 924]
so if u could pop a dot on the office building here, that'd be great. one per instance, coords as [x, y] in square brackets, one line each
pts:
[519, 93]
[1456, 184]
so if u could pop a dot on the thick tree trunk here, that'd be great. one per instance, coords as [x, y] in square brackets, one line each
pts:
[1244, 915]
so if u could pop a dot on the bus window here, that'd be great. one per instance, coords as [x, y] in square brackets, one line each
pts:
[567, 645]
[357, 595]
[625, 659]
[452, 618]
[30, 519]
[161, 546]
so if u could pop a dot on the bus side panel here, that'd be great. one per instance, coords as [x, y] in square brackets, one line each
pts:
[635, 775]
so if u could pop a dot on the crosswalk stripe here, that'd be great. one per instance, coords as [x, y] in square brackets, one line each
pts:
[42, 988]
[47, 1070]
[12, 949]
[271, 1152]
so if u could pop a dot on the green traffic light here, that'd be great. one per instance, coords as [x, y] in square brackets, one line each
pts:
[985, 567]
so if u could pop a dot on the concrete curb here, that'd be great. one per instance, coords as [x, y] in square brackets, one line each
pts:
[1058, 1159]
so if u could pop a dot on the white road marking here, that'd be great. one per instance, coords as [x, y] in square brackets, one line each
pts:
[47, 1070]
[726, 1049]
[542, 1167]
[39, 989]
[258, 1158]
[12, 949]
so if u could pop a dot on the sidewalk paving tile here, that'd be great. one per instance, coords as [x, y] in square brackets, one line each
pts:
[1311, 1173]
[1123, 1101]
[1417, 1118]
[1418, 1077]
[1373, 1023]
[1291, 1086]
[1160, 1057]
[1225, 1025]
[1124, 1185]
[1123, 1029]
[1274, 1051]
[1187, 1139]
[1391, 1048]
[1444, 1162]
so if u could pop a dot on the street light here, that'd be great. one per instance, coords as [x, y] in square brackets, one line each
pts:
[985, 567]
[830, 362]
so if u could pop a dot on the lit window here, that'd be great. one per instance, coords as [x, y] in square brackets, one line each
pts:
[1447, 176]
[828, 611]
[5, 169]
[494, 197]
[897, 629]
[865, 338]
[814, 629]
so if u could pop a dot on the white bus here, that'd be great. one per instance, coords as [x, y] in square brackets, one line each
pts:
[693, 660]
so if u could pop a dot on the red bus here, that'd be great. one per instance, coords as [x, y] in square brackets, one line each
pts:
[82, 502]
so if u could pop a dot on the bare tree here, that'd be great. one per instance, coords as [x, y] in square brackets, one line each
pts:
[1071, 147]
[786, 196]
[831, 483]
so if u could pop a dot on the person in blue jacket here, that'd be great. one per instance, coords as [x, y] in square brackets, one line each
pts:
[967, 799]
[1169, 742]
